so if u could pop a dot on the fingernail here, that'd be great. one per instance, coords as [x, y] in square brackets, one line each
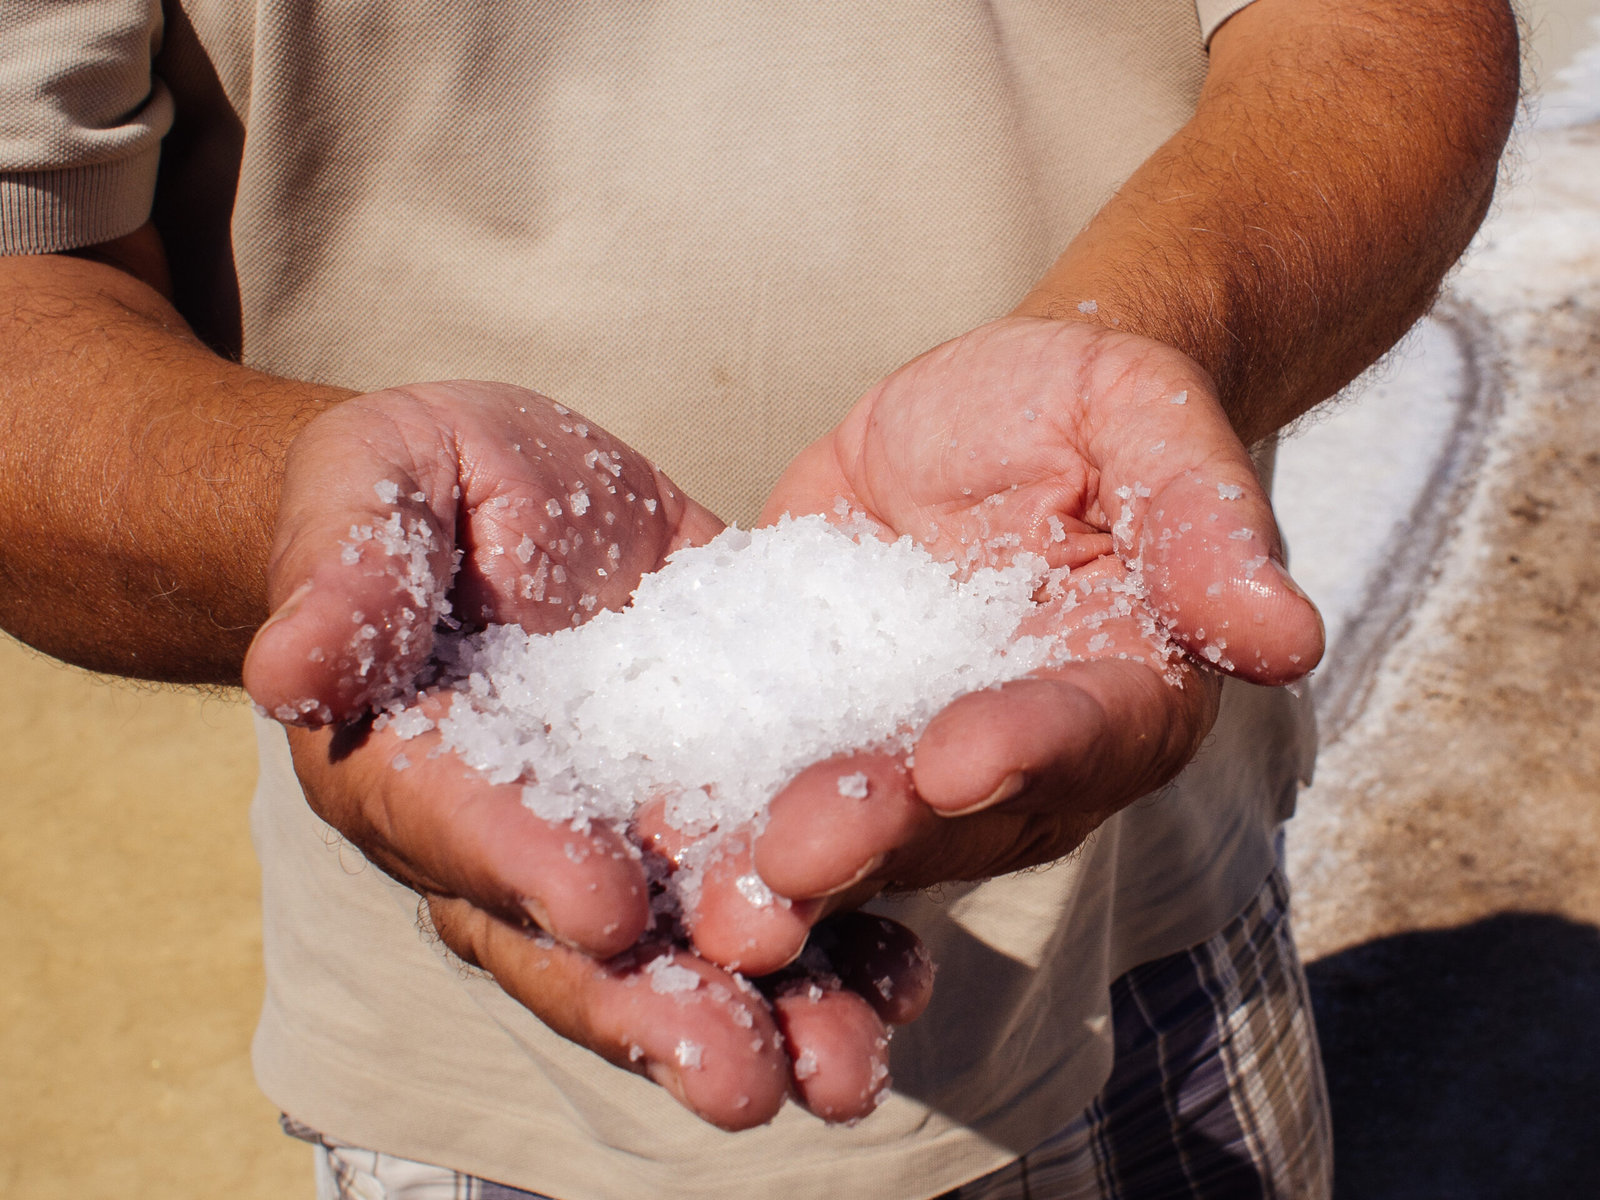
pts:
[1289, 582]
[867, 868]
[663, 1075]
[538, 913]
[1288, 579]
[1009, 787]
[289, 607]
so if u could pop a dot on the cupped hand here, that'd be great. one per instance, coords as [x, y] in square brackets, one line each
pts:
[440, 505]
[1110, 455]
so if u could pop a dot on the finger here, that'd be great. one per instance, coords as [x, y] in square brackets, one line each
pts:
[839, 1047]
[834, 825]
[1089, 737]
[678, 1020]
[732, 916]
[438, 826]
[881, 960]
[736, 920]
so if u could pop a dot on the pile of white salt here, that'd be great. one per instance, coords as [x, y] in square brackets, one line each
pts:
[737, 665]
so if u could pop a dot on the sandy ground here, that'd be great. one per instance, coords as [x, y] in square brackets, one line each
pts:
[131, 941]
[1447, 861]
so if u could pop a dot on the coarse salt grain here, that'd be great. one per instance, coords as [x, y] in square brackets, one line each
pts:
[853, 787]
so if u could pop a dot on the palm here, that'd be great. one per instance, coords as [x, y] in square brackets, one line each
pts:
[1108, 454]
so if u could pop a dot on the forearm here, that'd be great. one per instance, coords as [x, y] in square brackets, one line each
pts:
[138, 474]
[1341, 157]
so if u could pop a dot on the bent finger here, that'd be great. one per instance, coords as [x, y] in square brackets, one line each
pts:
[438, 826]
[836, 823]
[1090, 736]
[678, 1020]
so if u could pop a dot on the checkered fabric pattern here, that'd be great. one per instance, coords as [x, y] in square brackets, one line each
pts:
[1221, 1034]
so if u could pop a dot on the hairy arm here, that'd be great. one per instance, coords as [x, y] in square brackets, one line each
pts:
[157, 501]
[1341, 157]
[139, 471]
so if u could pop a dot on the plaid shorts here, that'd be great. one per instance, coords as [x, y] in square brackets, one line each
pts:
[1216, 1093]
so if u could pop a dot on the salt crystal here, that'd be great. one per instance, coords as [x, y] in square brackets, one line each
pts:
[1180, 398]
[1086, 307]
[1241, 535]
[1058, 531]
[526, 549]
[805, 1066]
[1029, 415]
[853, 786]
[553, 507]
[388, 490]
[650, 506]
[408, 723]
[754, 889]
[669, 979]
[689, 1054]
[1228, 491]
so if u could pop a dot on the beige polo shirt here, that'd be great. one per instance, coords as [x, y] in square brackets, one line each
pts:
[709, 228]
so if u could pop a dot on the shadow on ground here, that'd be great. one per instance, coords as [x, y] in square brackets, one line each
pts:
[1464, 1064]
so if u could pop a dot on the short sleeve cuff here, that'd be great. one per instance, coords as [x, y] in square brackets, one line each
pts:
[1214, 12]
[46, 212]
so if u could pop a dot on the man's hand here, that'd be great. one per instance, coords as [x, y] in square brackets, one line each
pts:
[1282, 240]
[1109, 454]
[481, 503]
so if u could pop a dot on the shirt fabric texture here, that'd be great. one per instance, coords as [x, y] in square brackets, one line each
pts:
[709, 229]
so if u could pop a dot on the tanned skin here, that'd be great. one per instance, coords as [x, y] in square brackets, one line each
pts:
[1341, 156]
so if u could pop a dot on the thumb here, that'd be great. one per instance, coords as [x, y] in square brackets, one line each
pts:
[361, 566]
[1214, 566]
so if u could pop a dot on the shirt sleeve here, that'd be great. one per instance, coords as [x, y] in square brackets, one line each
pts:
[1214, 12]
[81, 121]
